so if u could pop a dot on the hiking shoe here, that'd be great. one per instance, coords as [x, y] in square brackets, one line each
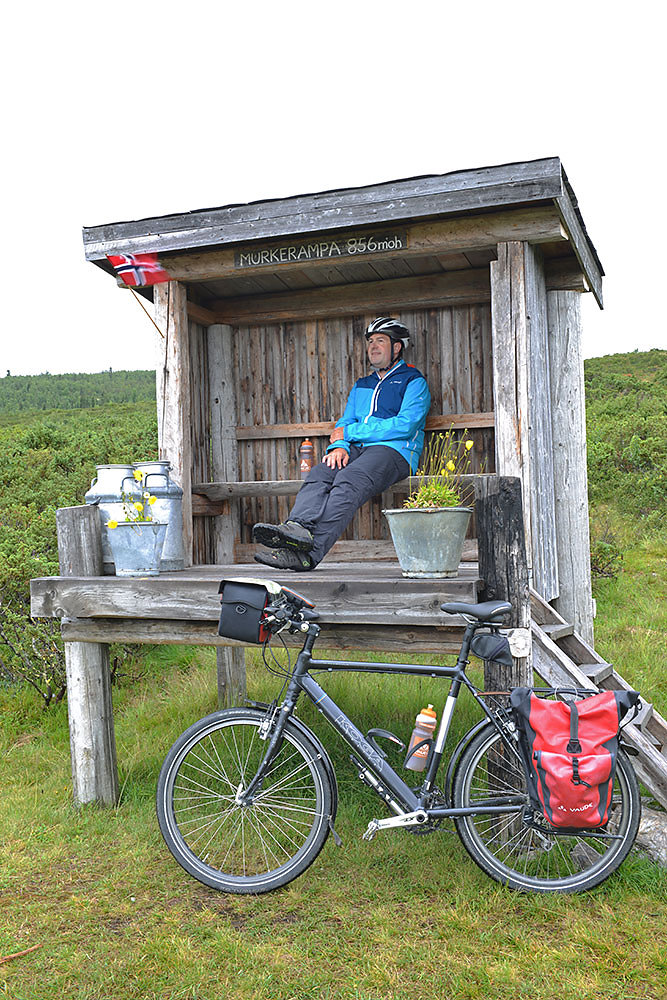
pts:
[290, 535]
[285, 559]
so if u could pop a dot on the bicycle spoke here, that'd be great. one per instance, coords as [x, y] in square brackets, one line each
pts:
[513, 851]
[224, 842]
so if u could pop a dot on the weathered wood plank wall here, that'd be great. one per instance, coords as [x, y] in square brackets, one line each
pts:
[301, 372]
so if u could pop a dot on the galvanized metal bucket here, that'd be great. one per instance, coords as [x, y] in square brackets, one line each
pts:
[429, 540]
[137, 547]
[105, 492]
[168, 507]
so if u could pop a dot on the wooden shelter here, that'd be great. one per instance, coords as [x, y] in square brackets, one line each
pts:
[262, 337]
[264, 326]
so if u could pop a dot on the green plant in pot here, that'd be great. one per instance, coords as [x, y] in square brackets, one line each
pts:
[429, 530]
[137, 541]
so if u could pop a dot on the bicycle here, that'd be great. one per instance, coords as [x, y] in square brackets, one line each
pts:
[247, 797]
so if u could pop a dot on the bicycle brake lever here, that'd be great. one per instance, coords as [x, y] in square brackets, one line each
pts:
[309, 616]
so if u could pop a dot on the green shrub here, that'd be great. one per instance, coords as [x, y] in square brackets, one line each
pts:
[626, 411]
[606, 555]
[48, 461]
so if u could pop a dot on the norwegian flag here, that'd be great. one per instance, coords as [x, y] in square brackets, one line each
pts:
[137, 269]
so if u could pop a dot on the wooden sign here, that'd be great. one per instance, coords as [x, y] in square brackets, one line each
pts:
[358, 245]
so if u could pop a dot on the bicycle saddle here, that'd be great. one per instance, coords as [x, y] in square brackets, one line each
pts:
[488, 611]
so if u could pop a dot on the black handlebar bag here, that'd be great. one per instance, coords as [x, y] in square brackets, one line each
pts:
[243, 603]
[571, 749]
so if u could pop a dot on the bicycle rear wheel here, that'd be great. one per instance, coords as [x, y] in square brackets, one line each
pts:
[243, 848]
[518, 855]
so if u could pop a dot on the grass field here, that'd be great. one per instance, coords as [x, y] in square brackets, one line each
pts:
[111, 916]
[115, 917]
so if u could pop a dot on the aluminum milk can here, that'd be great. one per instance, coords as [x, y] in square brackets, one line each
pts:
[168, 507]
[105, 492]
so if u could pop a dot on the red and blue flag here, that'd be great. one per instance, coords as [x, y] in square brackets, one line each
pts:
[138, 269]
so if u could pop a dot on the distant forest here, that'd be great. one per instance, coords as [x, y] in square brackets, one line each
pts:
[19, 393]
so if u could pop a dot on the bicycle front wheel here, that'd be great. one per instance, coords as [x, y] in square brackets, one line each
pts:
[243, 848]
[529, 859]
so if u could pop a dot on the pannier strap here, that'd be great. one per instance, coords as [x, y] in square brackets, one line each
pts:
[576, 777]
[574, 746]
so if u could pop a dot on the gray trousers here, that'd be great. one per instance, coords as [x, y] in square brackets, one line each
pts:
[329, 498]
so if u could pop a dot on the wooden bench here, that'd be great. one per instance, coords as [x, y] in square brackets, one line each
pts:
[214, 499]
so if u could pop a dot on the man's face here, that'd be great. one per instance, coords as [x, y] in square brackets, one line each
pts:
[380, 353]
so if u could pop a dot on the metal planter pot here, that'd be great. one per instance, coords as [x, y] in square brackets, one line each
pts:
[168, 507]
[105, 493]
[429, 541]
[137, 547]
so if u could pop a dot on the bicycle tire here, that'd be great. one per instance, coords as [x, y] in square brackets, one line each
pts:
[517, 855]
[243, 849]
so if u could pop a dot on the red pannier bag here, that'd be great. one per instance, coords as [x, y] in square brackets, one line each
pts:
[571, 750]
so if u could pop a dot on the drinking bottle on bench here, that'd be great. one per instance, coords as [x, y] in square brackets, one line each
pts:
[424, 730]
[306, 457]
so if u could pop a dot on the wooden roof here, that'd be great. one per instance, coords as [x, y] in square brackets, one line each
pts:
[525, 185]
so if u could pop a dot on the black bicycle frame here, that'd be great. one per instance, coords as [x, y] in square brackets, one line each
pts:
[376, 771]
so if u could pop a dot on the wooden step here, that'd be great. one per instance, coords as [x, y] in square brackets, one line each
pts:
[652, 739]
[656, 730]
[557, 631]
[597, 672]
[643, 715]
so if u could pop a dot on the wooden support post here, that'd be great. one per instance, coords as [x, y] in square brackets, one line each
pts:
[542, 511]
[200, 437]
[509, 327]
[503, 566]
[224, 445]
[574, 602]
[522, 400]
[89, 706]
[231, 675]
[225, 468]
[173, 395]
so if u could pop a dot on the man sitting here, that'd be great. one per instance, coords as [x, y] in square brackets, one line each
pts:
[376, 443]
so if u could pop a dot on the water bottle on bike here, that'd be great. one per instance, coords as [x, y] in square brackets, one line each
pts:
[424, 730]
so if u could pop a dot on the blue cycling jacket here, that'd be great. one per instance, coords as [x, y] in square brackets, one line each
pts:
[389, 411]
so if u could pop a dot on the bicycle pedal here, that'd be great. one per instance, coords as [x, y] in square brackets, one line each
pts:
[371, 830]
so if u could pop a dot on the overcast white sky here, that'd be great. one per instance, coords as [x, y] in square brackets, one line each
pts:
[120, 111]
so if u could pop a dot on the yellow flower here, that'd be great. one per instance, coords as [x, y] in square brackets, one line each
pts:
[139, 506]
[152, 500]
[138, 475]
[469, 445]
[112, 524]
[451, 466]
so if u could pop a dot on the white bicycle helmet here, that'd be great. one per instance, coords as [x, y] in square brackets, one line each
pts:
[390, 327]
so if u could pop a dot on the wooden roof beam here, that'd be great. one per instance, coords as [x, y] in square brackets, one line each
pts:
[442, 236]
[448, 288]
[417, 292]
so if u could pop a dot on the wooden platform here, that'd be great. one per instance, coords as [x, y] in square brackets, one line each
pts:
[366, 606]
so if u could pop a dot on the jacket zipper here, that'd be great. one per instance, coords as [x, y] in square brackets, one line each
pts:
[376, 391]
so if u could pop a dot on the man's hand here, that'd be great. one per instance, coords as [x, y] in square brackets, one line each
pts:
[337, 459]
[337, 434]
